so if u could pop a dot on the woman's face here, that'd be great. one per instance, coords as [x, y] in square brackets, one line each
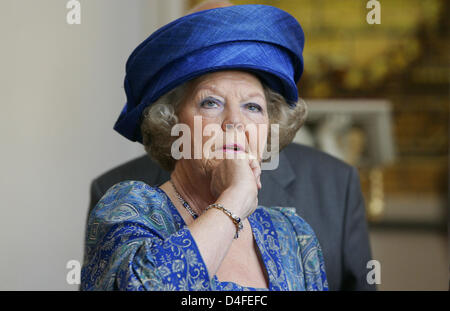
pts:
[233, 104]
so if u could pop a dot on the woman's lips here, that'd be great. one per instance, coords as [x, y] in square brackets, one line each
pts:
[233, 148]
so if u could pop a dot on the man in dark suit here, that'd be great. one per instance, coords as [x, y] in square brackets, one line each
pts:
[325, 191]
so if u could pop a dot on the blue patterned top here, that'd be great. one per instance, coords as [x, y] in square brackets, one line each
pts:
[137, 240]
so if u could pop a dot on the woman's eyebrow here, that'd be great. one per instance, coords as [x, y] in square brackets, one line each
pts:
[214, 90]
[208, 88]
[256, 94]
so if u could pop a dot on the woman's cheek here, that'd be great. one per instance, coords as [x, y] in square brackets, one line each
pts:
[212, 137]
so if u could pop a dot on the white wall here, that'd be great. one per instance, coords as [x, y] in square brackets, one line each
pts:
[61, 90]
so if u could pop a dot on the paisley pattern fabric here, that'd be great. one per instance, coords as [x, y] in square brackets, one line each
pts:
[137, 240]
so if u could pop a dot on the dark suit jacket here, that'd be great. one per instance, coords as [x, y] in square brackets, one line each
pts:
[324, 190]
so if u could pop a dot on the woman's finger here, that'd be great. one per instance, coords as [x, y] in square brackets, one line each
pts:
[254, 165]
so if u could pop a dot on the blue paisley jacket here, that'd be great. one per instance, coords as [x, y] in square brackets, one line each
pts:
[137, 240]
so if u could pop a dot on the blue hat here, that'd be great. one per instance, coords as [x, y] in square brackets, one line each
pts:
[262, 39]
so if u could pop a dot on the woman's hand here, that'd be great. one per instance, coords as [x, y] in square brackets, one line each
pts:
[239, 179]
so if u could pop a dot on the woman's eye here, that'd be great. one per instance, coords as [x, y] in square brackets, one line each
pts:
[208, 103]
[254, 107]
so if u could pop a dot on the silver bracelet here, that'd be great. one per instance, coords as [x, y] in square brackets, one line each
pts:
[236, 220]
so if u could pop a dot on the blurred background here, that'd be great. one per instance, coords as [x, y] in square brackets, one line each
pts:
[378, 96]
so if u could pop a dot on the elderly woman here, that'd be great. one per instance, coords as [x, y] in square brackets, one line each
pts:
[234, 68]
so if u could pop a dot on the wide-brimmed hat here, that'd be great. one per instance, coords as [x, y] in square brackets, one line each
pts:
[261, 39]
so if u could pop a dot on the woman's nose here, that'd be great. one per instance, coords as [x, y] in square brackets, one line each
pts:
[231, 125]
[233, 120]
